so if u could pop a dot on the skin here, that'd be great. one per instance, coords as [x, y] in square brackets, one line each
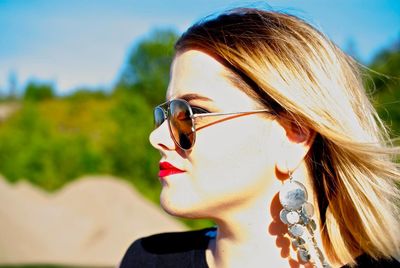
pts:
[235, 169]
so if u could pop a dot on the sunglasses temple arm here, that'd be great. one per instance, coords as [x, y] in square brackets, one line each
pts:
[232, 113]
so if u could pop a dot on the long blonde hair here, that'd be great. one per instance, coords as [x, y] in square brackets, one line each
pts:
[292, 68]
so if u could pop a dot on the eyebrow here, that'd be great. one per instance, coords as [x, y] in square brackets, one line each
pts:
[193, 96]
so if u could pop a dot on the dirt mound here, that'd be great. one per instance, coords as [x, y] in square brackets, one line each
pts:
[91, 221]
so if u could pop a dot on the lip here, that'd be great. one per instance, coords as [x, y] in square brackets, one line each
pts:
[167, 169]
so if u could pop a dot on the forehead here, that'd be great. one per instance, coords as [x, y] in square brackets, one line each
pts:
[196, 72]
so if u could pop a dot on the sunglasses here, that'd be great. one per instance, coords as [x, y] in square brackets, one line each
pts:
[180, 116]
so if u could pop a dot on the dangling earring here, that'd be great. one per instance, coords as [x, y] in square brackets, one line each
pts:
[297, 214]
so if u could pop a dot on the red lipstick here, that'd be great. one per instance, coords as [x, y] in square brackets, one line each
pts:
[167, 169]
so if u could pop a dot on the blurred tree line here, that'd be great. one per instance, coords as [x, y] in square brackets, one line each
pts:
[383, 83]
[53, 140]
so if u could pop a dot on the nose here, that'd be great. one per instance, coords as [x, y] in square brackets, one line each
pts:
[161, 139]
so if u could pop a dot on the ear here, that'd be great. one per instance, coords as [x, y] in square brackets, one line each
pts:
[295, 145]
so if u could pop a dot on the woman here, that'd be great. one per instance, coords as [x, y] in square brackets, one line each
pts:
[267, 131]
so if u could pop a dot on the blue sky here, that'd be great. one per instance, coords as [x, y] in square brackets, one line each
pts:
[74, 43]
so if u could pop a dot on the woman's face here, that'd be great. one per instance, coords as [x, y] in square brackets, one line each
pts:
[232, 162]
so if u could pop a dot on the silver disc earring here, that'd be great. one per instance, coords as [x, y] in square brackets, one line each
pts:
[297, 213]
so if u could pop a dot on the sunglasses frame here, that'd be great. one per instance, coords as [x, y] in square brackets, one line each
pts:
[167, 116]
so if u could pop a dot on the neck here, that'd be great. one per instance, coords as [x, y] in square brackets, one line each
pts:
[253, 235]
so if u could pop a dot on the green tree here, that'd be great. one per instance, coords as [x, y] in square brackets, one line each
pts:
[383, 82]
[82, 94]
[35, 91]
[130, 151]
[48, 154]
[147, 68]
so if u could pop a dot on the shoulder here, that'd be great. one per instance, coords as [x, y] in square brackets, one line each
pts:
[365, 261]
[179, 249]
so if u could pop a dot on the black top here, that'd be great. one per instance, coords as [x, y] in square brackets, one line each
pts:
[187, 249]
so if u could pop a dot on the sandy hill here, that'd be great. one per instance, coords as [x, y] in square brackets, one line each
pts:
[89, 222]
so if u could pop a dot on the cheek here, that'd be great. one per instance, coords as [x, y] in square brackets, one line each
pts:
[239, 138]
[234, 155]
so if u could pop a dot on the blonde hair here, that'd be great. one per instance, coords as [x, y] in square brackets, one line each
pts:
[289, 66]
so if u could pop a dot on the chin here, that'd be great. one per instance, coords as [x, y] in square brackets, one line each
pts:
[181, 208]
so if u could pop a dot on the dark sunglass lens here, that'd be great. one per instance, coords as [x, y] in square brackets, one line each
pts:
[158, 117]
[181, 124]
